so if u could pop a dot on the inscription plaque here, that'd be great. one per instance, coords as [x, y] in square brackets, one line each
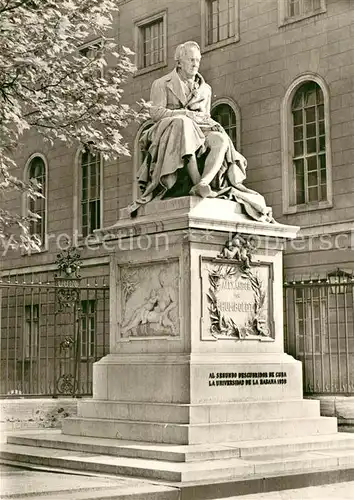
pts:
[227, 379]
[236, 300]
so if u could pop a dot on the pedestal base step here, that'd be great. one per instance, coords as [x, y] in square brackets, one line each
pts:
[182, 453]
[159, 432]
[197, 413]
[179, 472]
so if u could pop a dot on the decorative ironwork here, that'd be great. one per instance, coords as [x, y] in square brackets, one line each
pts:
[339, 279]
[66, 384]
[66, 343]
[67, 298]
[68, 278]
[45, 350]
[240, 248]
[69, 263]
[319, 314]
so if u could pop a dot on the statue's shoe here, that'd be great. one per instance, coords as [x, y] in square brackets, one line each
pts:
[202, 190]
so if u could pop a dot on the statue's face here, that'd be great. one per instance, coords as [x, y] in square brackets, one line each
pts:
[190, 61]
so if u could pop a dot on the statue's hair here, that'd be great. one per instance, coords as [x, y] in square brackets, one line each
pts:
[183, 47]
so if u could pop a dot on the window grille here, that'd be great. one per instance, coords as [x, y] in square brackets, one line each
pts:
[309, 144]
[88, 328]
[220, 20]
[31, 331]
[37, 206]
[302, 7]
[151, 40]
[91, 51]
[225, 115]
[90, 192]
[311, 319]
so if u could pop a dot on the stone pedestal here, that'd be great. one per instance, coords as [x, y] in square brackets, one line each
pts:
[196, 339]
[197, 391]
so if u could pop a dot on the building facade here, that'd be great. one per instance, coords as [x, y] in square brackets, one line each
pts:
[282, 74]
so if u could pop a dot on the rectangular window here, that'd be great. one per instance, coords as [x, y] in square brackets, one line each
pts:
[88, 328]
[92, 51]
[151, 42]
[293, 10]
[31, 331]
[311, 320]
[90, 192]
[219, 23]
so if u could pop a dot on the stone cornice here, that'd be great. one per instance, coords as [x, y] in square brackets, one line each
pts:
[193, 213]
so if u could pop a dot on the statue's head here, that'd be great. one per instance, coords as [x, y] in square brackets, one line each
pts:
[187, 57]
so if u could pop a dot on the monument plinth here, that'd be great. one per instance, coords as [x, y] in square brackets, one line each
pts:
[197, 391]
[196, 334]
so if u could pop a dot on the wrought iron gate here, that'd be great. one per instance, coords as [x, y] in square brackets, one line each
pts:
[320, 333]
[52, 332]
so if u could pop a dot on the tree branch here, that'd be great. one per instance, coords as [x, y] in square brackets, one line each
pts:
[15, 6]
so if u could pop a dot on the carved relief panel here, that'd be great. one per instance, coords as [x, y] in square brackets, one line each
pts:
[149, 300]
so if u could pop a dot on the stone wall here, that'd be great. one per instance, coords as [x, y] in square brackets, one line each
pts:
[341, 407]
[20, 414]
[255, 73]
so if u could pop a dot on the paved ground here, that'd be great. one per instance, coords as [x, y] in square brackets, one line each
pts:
[17, 483]
[339, 491]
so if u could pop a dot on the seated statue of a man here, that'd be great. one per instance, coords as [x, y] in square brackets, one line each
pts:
[184, 139]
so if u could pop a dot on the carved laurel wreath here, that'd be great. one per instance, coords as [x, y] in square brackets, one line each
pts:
[222, 325]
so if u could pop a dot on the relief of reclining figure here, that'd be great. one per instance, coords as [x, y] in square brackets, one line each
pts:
[155, 313]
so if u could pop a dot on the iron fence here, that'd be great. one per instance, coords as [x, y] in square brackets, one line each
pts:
[319, 331]
[52, 331]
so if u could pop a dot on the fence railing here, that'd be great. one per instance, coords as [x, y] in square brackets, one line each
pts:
[52, 332]
[320, 332]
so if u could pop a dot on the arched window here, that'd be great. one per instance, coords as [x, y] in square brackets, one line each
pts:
[309, 154]
[36, 170]
[139, 156]
[307, 157]
[90, 192]
[227, 114]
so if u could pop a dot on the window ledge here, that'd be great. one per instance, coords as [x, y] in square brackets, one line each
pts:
[90, 242]
[321, 205]
[296, 19]
[143, 71]
[222, 43]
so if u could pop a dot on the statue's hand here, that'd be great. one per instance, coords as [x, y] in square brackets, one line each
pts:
[194, 115]
[190, 114]
[198, 117]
